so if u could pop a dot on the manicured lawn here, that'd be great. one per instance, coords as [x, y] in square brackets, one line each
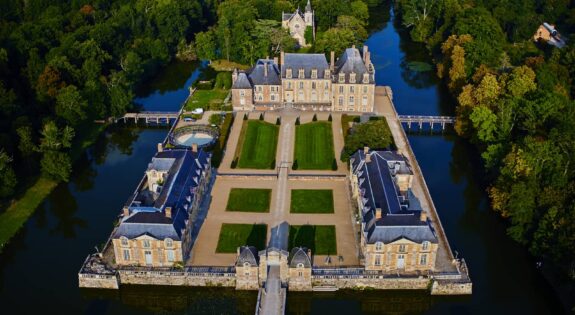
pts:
[257, 145]
[314, 146]
[311, 201]
[249, 200]
[319, 238]
[233, 236]
[207, 99]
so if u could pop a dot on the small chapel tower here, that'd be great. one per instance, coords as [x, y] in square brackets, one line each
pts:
[308, 15]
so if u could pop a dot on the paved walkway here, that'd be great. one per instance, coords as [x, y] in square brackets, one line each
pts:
[273, 295]
[385, 107]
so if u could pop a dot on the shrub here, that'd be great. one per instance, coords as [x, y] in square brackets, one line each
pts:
[223, 80]
[334, 165]
[262, 116]
[297, 121]
[234, 163]
[273, 164]
[215, 119]
[245, 116]
[278, 121]
[294, 165]
[314, 117]
[329, 118]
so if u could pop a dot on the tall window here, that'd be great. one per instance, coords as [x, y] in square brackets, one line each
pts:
[402, 248]
[170, 254]
[425, 245]
[377, 261]
[341, 89]
[423, 259]
[273, 97]
[326, 86]
[146, 243]
[126, 254]
[340, 101]
[169, 243]
[313, 85]
[289, 86]
[124, 241]
[351, 100]
[352, 89]
[313, 96]
[365, 89]
[300, 95]
[301, 85]
[378, 246]
[364, 100]
[242, 93]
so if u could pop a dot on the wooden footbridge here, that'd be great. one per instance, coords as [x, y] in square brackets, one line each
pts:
[157, 117]
[421, 120]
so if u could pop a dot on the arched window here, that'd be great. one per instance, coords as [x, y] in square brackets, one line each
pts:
[169, 242]
[146, 243]
[425, 245]
[124, 241]
[313, 96]
[379, 246]
[300, 265]
[246, 264]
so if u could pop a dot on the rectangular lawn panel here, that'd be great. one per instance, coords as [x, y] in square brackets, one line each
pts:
[233, 236]
[314, 146]
[311, 201]
[319, 238]
[257, 146]
[249, 200]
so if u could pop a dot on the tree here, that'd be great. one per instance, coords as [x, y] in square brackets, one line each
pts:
[335, 39]
[70, 105]
[485, 122]
[56, 165]
[360, 11]
[374, 134]
[418, 15]
[7, 176]
[206, 45]
[26, 144]
[522, 81]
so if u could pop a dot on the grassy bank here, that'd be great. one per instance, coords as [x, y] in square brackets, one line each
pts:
[12, 220]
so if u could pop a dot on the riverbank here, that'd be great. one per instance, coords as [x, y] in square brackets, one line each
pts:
[20, 210]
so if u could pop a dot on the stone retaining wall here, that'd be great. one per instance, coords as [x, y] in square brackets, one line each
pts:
[422, 283]
[177, 278]
[446, 287]
[98, 281]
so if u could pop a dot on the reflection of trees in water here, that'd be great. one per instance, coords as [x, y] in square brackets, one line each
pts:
[119, 138]
[417, 79]
[160, 299]
[64, 207]
[173, 77]
[379, 16]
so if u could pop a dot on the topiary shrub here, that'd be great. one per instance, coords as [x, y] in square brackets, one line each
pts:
[273, 165]
[278, 121]
[314, 117]
[294, 165]
[334, 165]
[329, 118]
[245, 116]
[297, 121]
[234, 163]
[261, 116]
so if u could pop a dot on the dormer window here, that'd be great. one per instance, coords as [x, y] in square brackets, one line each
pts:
[341, 78]
[124, 241]
[146, 243]
[326, 74]
[378, 246]
[366, 78]
[425, 245]
[288, 73]
[314, 73]
[352, 77]
[301, 74]
[169, 243]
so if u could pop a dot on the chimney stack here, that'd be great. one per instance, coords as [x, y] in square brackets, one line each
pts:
[378, 213]
[160, 147]
[265, 69]
[126, 211]
[368, 158]
[275, 60]
[367, 59]
[194, 147]
[282, 56]
[309, 253]
[353, 46]
[234, 75]
[168, 211]
[423, 216]
[364, 53]
[332, 61]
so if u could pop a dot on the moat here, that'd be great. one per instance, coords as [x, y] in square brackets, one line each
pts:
[80, 214]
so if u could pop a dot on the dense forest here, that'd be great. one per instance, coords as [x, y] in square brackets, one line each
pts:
[64, 64]
[515, 102]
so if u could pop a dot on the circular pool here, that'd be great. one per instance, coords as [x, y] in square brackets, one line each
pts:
[202, 136]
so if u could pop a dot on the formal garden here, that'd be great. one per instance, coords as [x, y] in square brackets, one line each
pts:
[249, 200]
[257, 145]
[319, 238]
[314, 146]
[311, 201]
[233, 236]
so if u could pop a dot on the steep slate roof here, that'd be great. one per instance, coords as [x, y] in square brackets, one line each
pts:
[306, 62]
[298, 255]
[248, 254]
[400, 218]
[351, 61]
[183, 177]
[242, 82]
[289, 16]
[257, 75]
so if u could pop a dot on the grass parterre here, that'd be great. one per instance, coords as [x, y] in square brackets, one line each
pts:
[314, 146]
[319, 238]
[257, 145]
[311, 201]
[234, 235]
[249, 200]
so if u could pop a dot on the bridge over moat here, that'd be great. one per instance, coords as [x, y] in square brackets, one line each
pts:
[421, 120]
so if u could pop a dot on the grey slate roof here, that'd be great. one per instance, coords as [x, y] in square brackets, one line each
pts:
[257, 75]
[242, 82]
[306, 62]
[351, 61]
[400, 213]
[178, 193]
[298, 255]
[248, 254]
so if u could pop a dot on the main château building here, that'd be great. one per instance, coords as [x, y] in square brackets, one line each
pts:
[308, 82]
